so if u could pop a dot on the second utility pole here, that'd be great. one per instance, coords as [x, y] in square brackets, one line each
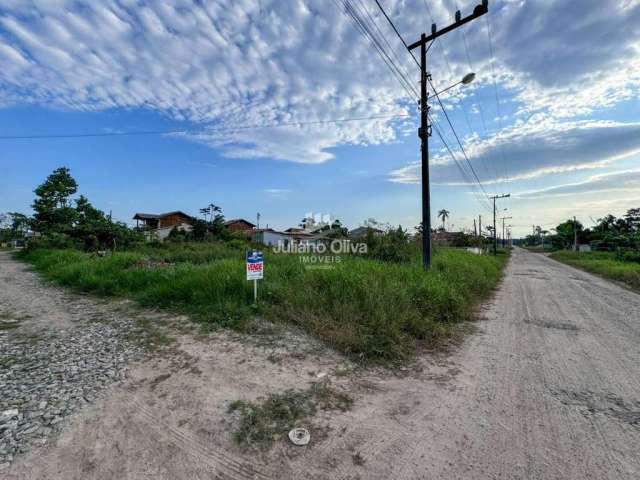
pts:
[495, 235]
[503, 237]
[424, 131]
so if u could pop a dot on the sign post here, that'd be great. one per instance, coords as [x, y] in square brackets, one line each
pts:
[255, 270]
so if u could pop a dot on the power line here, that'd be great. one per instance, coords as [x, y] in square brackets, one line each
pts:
[375, 24]
[446, 115]
[369, 34]
[463, 173]
[455, 94]
[497, 98]
[196, 132]
[397, 33]
[458, 140]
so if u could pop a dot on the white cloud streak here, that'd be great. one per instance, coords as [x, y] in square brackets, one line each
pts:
[249, 63]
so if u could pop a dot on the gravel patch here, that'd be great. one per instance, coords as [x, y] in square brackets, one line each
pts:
[45, 378]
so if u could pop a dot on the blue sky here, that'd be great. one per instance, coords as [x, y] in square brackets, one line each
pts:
[552, 118]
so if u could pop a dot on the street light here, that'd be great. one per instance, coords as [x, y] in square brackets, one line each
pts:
[466, 80]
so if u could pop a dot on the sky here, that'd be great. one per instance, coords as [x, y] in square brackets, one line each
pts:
[285, 107]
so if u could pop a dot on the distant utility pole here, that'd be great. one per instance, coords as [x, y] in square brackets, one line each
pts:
[575, 235]
[258, 220]
[480, 224]
[425, 129]
[503, 237]
[495, 234]
[475, 230]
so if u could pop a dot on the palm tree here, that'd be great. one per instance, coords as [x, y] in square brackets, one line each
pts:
[444, 214]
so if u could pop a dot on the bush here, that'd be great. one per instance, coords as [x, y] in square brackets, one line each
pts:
[392, 246]
[627, 255]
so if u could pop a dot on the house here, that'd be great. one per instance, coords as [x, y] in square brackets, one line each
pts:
[293, 230]
[239, 225]
[362, 231]
[158, 226]
[270, 237]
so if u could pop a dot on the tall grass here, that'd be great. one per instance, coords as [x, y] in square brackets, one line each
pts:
[362, 307]
[603, 263]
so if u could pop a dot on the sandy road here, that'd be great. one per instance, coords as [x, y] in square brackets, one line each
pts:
[548, 388]
[551, 389]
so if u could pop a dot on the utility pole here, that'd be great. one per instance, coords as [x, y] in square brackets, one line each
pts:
[475, 230]
[495, 234]
[480, 224]
[425, 129]
[503, 237]
[258, 220]
[575, 235]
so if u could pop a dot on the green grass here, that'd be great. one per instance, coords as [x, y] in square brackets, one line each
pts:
[364, 308]
[604, 264]
[262, 423]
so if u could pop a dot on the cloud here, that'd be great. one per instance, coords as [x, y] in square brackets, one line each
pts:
[239, 63]
[216, 64]
[277, 193]
[626, 180]
[539, 148]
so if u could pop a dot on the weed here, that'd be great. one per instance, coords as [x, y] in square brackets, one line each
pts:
[603, 263]
[262, 423]
[371, 310]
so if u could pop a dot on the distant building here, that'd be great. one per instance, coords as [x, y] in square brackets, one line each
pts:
[158, 226]
[452, 239]
[268, 236]
[362, 231]
[239, 225]
[271, 237]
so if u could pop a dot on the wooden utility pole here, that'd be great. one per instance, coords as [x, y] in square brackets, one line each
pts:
[503, 237]
[495, 234]
[425, 129]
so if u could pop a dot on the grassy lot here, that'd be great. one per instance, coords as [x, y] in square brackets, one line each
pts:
[603, 263]
[365, 308]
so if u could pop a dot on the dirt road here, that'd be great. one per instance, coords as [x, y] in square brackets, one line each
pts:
[548, 388]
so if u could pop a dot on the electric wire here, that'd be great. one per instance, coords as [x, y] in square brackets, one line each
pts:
[229, 129]
[456, 95]
[460, 143]
[365, 30]
[463, 173]
[397, 33]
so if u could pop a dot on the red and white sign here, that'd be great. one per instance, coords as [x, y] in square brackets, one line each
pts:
[255, 265]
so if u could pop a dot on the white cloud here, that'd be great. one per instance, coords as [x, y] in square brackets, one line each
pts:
[244, 62]
[216, 64]
[625, 180]
[541, 147]
[277, 193]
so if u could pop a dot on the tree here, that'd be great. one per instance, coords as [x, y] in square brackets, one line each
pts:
[211, 227]
[52, 206]
[444, 214]
[632, 219]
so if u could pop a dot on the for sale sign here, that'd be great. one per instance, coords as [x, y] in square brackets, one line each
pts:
[255, 265]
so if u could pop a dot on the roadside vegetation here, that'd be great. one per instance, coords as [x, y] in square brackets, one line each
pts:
[621, 267]
[376, 306]
[366, 308]
[609, 234]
